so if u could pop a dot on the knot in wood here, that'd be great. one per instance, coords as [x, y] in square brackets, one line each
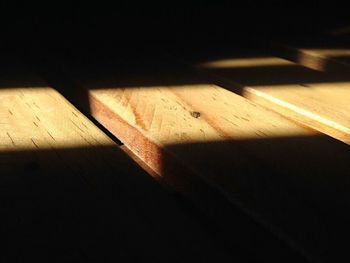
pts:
[195, 114]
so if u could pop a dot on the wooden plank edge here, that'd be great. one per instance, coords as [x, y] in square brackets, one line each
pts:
[286, 110]
[308, 59]
[215, 203]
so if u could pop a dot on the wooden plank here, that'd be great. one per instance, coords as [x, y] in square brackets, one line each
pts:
[103, 200]
[69, 192]
[327, 54]
[311, 98]
[291, 179]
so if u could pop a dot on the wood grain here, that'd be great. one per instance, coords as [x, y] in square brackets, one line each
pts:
[290, 179]
[311, 98]
[61, 176]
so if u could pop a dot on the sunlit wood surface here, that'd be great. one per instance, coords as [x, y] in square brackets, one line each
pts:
[311, 98]
[245, 138]
[69, 193]
[289, 178]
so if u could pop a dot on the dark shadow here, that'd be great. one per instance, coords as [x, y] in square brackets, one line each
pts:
[270, 76]
[342, 59]
[54, 207]
[94, 204]
[14, 73]
[298, 187]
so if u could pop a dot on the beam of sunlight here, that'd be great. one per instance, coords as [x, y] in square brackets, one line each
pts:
[324, 103]
[166, 114]
[244, 63]
[41, 118]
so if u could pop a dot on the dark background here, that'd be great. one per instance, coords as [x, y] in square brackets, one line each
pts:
[154, 24]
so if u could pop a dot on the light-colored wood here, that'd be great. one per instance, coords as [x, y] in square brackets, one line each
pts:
[60, 174]
[40, 118]
[311, 98]
[289, 178]
[324, 107]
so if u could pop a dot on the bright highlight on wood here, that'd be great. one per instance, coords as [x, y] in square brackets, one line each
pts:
[313, 99]
[41, 119]
[244, 62]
